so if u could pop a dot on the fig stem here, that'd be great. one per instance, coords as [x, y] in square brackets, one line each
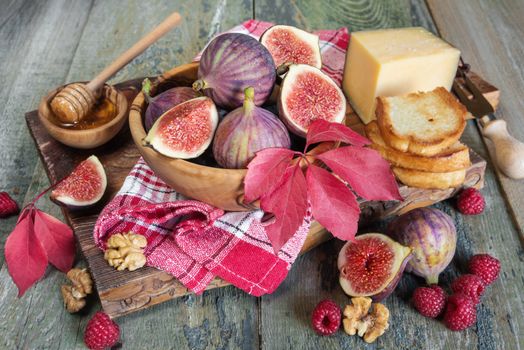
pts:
[433, 279]
[249, 100]
[41, 194]
[199, 85]
[146, 89]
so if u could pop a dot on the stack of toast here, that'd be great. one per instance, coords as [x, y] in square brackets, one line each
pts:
[419, 135]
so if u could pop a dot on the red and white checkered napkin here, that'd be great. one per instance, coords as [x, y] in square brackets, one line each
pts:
[194, 241]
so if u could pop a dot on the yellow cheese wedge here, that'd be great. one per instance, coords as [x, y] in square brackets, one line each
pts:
[393, 62]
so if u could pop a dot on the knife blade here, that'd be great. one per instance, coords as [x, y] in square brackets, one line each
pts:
[509, 152]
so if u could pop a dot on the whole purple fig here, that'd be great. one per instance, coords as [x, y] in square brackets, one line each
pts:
[245, 131]
[229, 64]
[163, 102]
[432, 236]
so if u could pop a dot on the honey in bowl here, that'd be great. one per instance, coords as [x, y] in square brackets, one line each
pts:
[101, 113]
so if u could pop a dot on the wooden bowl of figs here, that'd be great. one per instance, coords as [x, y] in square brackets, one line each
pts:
[198, 125]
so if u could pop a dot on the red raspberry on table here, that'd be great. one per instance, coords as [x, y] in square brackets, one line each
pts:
[485, 266]
[101, 332]
[326, 317]
[471, 202]
[469, 285]
[460, 312]
[429, 301]
[8, 206]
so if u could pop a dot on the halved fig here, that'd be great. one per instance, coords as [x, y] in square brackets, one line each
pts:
[186, 130]
[308, 94]
[84, 186]
[292, 45]
[372, 265]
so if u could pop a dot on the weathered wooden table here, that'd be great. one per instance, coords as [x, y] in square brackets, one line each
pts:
[46, 43]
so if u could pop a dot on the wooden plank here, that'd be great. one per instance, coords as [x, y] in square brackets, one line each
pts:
[221, 319]
[490, 45]
[500, 323]
[38, 44]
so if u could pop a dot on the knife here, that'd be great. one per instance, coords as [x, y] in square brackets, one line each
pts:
[509, 152]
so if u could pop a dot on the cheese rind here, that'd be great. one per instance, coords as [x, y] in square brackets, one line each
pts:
[391, 62]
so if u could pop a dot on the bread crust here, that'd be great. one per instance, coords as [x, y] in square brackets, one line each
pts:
[450, 159]
[430, 180]
[423, 145]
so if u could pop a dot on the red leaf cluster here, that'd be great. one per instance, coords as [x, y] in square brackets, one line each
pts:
[38, 238]
[276, 177]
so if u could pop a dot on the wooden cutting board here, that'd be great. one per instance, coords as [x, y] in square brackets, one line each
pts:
[123, 292]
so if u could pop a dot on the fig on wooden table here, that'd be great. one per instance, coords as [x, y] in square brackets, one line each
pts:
[432, 235]
[161, 103]
[288, 44]
[186, 130]
[307, 94]
[245, 131]
[82, 188]
[231, 63]
[372, 265]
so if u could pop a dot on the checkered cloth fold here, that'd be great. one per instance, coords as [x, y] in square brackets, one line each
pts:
[194, 241]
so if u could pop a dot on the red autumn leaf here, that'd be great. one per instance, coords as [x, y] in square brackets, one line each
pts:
[333, 205]
[265, 172]
[26, 258]
[56, 238]
[368, 174]
[288, 202]
[321, 131]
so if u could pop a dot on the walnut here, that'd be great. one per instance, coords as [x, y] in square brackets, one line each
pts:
[359, 320]
[82, 282]
[74, 296]
[125, 251]
[71, 303]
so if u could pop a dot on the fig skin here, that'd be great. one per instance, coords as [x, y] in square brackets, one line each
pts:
[231, 63]
[245, 131]
[402, 257]
[432, 235]
[161, 103]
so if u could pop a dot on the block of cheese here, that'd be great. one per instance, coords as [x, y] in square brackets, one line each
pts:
[391, 62]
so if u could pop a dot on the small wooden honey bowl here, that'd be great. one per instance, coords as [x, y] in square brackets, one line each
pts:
[108, 117]
[222, 188]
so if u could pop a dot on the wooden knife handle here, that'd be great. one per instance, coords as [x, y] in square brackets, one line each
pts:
[135, 50]
[509, 152]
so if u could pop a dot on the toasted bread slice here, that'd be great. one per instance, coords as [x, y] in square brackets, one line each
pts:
[423, 123]
[424, 179]
[455, 157]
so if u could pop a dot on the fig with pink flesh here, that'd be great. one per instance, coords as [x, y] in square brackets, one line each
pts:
[432, 235]
[372, 265]
[186, 130]
[288, 44]
[245, 131]
[161, 103]
[231, 63]
[83, 187]
[308, 94]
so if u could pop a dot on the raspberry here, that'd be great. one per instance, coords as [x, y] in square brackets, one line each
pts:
[485, 266]
[101, 332]
[470, 202]
[471, 286]
[326, 317]
[429, 301]
[460, 312]
[8, 206]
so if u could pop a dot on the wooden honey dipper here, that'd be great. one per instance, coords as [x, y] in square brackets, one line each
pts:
[74, 101]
